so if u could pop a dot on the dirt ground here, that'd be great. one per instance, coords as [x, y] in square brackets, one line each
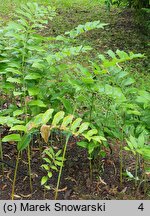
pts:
[75, 182]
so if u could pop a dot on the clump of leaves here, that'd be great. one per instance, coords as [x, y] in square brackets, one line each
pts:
[53, 161]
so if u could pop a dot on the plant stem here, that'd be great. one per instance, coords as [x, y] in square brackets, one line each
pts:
[1, 156]
[25, 104]
[121, 151]
[136, 169]
[15, 175]
[121, 165]
[29, 167]
[60, 171]
[145, 180]
[91, 174]
[91, 107]
[121, 159]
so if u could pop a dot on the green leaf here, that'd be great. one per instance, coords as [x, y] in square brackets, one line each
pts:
[133, 142]
[133, 112]
[58, 163]
[83, 144]
[128, 81]
[59, 159]
[144, 97]
[38, 119]
[12, 137]
[47, 116]
[17, 93]
[91, 132]
[44, 180]
[127, 149]
[86, 27]
[58, 116]
[111, 54]
[32, 76]
[84, 126]
[47, 160]
[25, 141]
[38, 103]
[129, 174]
[141, 140]
[9, 121]
[18, 112]
[49, 154]
[58, 153]
[45, 166]
[49, 174]
[19, 128]
[98, 138]
[33, 91]
[87, 80]
[54, 168]
[67, 104]
[75, 124]
[66, 121]
[131, 147]
[47, 187]
[14, 80]
[145, 152]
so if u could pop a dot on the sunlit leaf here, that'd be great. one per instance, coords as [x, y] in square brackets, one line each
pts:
[19, 128]
[47, 116]
[75, 124]
[44, 180]
[58, 116]
[84, 126]
[66, 121]
[12, 137]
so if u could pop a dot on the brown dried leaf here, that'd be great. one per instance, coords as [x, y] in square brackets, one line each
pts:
[45, 132]
[17, 196]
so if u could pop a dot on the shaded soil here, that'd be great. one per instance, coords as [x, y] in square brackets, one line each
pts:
[75, 181]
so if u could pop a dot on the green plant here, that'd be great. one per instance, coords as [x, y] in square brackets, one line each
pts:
[130, 3]
[67, 125]
[31, 59]
[39, 72]
[53, 161]
[138, 147]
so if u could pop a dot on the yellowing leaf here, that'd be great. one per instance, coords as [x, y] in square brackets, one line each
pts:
[45, 132]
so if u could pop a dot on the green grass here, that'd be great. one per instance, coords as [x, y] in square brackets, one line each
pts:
[7, 7]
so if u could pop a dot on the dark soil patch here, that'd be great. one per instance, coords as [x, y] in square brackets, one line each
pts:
[75, 181]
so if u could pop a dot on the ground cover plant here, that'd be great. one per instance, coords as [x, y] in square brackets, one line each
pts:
[69, 108]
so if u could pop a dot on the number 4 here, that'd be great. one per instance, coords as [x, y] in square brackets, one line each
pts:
[141, 207]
